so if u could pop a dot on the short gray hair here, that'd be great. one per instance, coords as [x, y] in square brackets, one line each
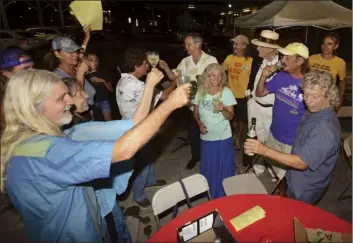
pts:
[325, 81]
[196, 38]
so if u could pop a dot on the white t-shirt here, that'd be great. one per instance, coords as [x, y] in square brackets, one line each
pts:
[129, 91]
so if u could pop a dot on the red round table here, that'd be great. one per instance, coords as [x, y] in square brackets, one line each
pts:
[277, 224]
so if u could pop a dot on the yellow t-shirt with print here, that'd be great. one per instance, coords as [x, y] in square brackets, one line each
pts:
[336, 66]
[239, 69]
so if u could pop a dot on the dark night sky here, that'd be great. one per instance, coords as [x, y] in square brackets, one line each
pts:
[22, 15]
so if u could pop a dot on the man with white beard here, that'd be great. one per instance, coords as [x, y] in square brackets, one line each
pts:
[261, 107]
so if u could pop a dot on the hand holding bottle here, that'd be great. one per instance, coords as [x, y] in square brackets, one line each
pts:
[251, 135]
[253, 146]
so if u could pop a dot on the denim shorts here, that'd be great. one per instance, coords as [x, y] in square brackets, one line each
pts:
[103, 105]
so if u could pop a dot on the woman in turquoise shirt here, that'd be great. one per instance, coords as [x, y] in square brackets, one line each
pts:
[213, 110]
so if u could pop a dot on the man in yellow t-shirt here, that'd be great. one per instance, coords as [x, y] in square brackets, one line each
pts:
[238, 66]
[328, 61]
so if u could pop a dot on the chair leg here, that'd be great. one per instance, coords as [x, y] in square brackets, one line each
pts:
[209, 195]
[275, 186]
[282, 188]
[157, 221]
[175, 211]
[342, 197]
[254, 160]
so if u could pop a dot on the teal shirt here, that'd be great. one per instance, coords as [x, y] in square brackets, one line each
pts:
[218, 126]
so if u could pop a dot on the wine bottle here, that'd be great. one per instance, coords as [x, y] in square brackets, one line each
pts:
[252, 133]
[194, 87]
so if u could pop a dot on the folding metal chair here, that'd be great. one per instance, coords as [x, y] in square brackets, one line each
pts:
[246, 183]
[273, 188]
[170, 195]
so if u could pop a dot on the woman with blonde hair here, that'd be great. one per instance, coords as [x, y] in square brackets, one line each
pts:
[213, 110]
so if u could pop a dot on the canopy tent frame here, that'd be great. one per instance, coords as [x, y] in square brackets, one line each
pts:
[328, 21]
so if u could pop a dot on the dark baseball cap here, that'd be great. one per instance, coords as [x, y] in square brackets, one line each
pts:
[11, 58]
[65, 44]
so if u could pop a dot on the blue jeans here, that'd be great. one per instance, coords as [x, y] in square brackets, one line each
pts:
[144, 172]
[145, 177]
[120, 226]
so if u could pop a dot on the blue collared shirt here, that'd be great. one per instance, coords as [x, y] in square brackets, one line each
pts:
[317, 143]
[45, 181]
[120, 173]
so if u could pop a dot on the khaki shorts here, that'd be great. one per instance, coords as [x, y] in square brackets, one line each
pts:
[274, 144]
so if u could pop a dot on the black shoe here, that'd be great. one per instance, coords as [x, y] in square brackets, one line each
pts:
[144, 203]
[191, 164]
[158, 183]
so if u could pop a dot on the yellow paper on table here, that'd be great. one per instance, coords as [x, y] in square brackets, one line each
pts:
[249, 217]
[88, 12]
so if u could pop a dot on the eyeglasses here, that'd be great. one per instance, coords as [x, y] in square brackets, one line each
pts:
[188, 44]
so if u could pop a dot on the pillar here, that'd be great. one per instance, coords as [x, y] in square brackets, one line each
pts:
[4, 21]
[61, 14]
[40, 15]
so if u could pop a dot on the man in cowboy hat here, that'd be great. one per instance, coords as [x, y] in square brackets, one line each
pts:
[261, 107]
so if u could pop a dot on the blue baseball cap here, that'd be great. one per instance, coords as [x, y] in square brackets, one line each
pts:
[65, 44]
[11, 58]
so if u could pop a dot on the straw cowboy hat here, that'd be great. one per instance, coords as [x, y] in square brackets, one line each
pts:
[268, 39]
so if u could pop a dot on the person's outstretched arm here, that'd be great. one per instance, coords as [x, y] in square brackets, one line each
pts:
[87, 31]
[137, 137]
[153, 78]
